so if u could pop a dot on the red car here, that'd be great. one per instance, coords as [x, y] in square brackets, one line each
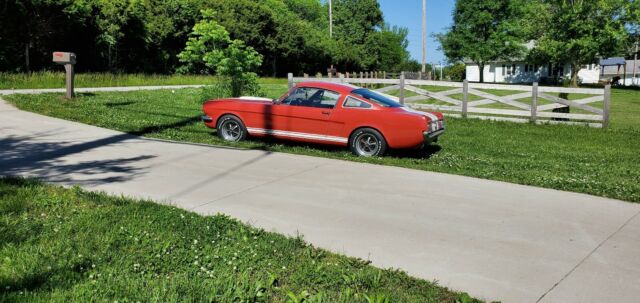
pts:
[327, 113]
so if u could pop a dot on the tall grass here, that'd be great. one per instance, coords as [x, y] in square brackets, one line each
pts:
[49, 79]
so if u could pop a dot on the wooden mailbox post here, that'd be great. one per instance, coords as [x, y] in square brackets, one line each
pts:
[68, 60]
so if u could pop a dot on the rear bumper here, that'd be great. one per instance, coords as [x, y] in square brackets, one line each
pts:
[430, 137]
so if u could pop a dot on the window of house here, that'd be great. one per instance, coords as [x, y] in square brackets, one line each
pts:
[504, 69]
[513, 69]
[526, 68]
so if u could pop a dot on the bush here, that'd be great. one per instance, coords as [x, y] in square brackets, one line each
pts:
[210, 49]
[225, 87]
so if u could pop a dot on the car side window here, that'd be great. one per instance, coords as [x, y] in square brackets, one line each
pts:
[297, 97]
[312, 97]
[352, 102]
[329, 99]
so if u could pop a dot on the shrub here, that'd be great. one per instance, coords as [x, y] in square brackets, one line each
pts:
[211, 50]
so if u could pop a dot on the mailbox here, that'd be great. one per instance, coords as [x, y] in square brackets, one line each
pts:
[68, 60]
[64, 58]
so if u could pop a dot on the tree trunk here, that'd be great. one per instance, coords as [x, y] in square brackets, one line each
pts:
[109, 57]
[27, 64]
[274, 66]
[481, 69]
[574, 75]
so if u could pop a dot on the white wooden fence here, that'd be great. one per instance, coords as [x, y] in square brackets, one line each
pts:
[537, 104]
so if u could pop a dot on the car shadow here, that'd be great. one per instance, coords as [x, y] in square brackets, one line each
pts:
[118, 104]
[272, 144]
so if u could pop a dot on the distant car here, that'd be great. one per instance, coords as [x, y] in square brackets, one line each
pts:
[326, 113]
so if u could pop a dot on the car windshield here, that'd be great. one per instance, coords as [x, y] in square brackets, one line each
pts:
[376, 98]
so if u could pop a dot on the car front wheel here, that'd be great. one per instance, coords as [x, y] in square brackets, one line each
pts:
[368, 142]
[231, 129]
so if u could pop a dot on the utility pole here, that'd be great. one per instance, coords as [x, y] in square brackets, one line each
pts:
[424, 35]
[330, 20]
[635, 60]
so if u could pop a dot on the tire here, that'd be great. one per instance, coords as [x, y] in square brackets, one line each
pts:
[367, 142]
[231, 129]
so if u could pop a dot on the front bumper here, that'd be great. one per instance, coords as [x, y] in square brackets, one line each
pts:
[206, 119]
[430, 137]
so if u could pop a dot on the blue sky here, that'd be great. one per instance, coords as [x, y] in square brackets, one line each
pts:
[408, 13]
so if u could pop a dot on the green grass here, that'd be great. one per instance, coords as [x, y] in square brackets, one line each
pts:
[56, 80]
[71, 245]
[603, 162]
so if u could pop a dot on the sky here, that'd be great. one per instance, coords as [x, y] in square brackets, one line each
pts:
[408, 13]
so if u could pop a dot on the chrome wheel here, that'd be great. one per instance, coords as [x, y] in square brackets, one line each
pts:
[231, 130]
[367, 145]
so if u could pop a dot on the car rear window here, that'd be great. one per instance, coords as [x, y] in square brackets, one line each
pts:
[375, 97]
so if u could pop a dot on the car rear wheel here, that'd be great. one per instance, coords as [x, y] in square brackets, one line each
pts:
[367, 142]
[231, 129]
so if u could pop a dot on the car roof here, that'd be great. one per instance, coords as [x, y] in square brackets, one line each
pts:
[342, 88]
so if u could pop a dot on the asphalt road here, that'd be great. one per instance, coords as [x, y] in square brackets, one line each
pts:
[495, 240]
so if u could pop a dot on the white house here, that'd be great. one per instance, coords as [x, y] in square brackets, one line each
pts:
[523, 72]
[518, 71]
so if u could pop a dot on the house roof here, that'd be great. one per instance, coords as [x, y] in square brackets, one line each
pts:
[613, 69]
[612, 61]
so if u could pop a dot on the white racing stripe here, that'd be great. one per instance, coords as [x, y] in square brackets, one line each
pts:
[284, 133]
[430, 115]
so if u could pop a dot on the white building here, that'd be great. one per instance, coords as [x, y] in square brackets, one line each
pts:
[523, 72]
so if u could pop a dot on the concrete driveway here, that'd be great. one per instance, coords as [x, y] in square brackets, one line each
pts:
[497, 241]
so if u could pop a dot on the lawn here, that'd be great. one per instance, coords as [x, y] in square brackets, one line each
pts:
[63, 245]
[603, 162]
[56, 80]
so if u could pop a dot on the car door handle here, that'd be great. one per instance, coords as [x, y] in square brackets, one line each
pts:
[324, 112]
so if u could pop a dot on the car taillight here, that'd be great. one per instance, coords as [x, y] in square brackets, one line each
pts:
[436, 125]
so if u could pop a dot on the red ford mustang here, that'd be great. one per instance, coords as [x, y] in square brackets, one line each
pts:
[328, 113]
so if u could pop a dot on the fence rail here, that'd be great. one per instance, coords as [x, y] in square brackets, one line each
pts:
[515, 103]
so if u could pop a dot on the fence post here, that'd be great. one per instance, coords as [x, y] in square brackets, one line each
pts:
[341, 78]
[465, 97]
[401, 94]
[306, 76]
[384, 75]
[606, 105]
[534, 102]
[290, 80]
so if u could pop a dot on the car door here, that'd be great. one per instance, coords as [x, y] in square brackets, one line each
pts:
[307, 112]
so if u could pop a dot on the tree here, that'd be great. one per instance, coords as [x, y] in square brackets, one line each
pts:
[355, 21]
[147, 35]
[211, 50]
[456, 72]
[388, 48]
[29, 28]
[578, 32]
[484, 31]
